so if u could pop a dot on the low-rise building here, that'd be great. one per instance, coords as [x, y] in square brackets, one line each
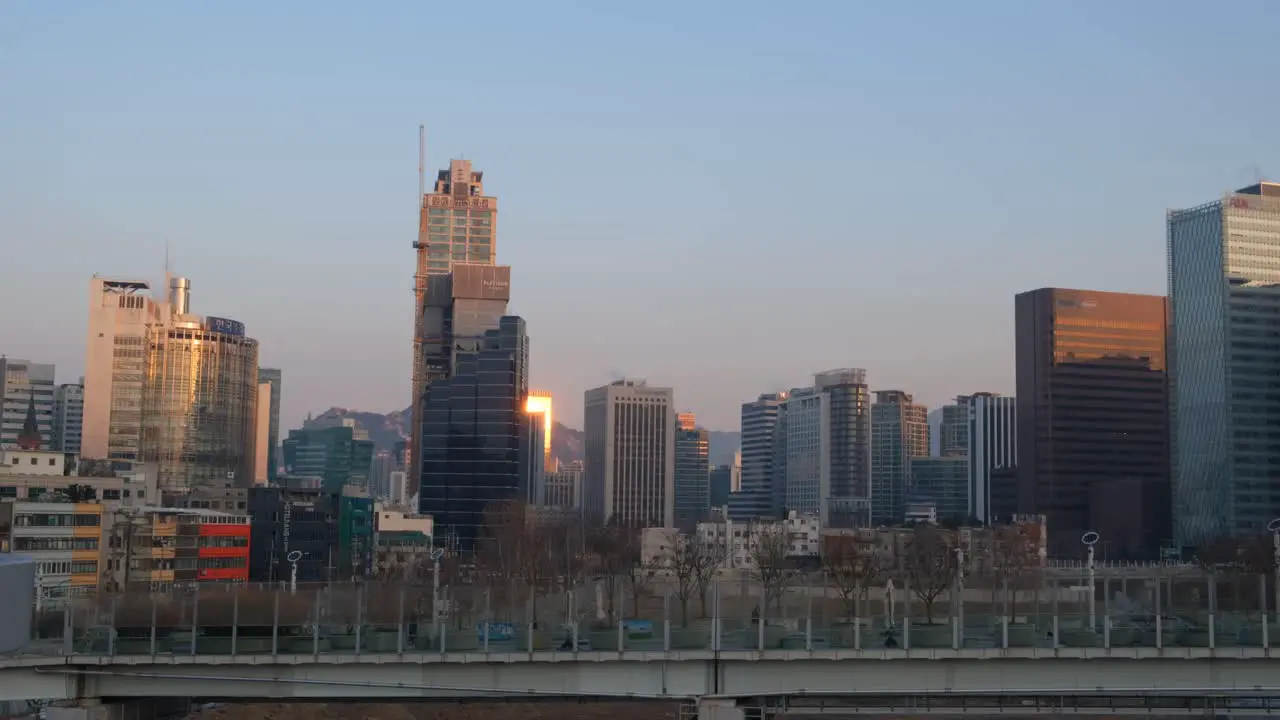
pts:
[402, 544]
[65, 540]
[160, 548]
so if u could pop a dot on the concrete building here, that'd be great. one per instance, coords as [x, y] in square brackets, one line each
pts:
[899, 432]
[262, 433]
[158, 548]
[402, 545]
[1225, 316]
[630, 454]
[942, 482]
[1093, 419]
[64, 538]
[469, 466]
[757, 496]
[992, 445]
[693, 480]
[121, 313]
[737, 543]
[380, 475]
[564, 487]
[68, 417]
[276, 378]
[457, 223]
[22, 382]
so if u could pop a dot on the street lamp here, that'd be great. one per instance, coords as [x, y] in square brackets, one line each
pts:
[436, 554]
[1090, 539]
[1274, 528]
[293, 558]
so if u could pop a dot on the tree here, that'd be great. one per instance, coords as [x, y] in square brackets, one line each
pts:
[929, 565]
[609, 548]
[774, 567]
[79, 493]
[1014, 554]
[1234, 559]
[693, 562]
[853, 565]
[513, 550]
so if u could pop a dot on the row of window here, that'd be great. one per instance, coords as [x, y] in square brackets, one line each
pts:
[56, 520]
[41, 544]
[69, 567]
[148, 564]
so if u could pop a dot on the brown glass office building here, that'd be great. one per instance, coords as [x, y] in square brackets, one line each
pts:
[1093, 419]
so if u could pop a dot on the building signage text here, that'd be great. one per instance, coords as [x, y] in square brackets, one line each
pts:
[223, 325]
[473, 203]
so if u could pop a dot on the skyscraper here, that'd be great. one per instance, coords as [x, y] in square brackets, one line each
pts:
[1224, 357]
[1093, 418]
[332, 453]
[758, 497]
[899, 432]
[953, 431]
[68, 417]
[22, 382]
[802, 457]
[849, 504]
[540, 402]
[693, 479]
[275, 378]
[199, 394]
[457, 224]
[630, 447]
[120, 315]
[992, 445]
[474, 434]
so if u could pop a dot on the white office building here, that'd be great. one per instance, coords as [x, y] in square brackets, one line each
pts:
[68, 417]
[992, 445]
[629, 474]
[20, 382]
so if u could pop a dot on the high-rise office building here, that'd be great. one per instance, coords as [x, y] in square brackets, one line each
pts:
[1224, 357]
[68, 417]
[275, 377]
[899, 432]
[199, 396]
[533, 457]
[457, 223]
[475, 440]
[953, 430]
[380, 475]
[693, 479]
[539, 403]
[21, 383]
[332, 453]
[121, 313]
[992, 445]
[1093, 419]
[943, 482]
[849, 504]
[630, 464]
[758, 495]
[802, 460]
[564, 486]
[262, 433]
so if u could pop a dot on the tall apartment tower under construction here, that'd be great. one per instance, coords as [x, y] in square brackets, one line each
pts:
[457, 225]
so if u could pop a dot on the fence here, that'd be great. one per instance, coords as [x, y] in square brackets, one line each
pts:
[797, 611]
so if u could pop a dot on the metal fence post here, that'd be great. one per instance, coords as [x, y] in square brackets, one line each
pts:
[275, 622]
[400, 624]
[195, 618]
[111, 631]
[315, 629]
[153, 623]
[235, 620]
[359, 615]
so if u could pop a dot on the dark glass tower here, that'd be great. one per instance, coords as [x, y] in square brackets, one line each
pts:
[473, 432]
[693, 479]
[1093, 419]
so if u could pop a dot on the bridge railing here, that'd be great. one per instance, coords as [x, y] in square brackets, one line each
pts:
[751, 610]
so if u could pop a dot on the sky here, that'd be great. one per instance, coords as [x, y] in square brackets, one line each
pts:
[720, 197]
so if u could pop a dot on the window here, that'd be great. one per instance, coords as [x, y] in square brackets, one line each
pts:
[111, 494]
[51, 461]
[34, 461]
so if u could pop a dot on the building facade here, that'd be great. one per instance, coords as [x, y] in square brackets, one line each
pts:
[332, 453]
[899, 432]
[68, 418]
[942, 482]
[953, 430]
[564, 486]
[993, 445]
[849, 504]
[758, 495]
[1093, 419]
[22, 382]
[474, 434]
[275, 378]
[159, 548]
[693, 479]
[1224, 356]
[457, 223]
[65, 540]
[802, 462]
[630, 454]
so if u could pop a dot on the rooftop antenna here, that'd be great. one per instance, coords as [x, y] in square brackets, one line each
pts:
[422, 162]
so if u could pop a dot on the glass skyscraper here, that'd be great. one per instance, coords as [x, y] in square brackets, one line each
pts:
[693, 473]
[1224, 298]
[473, 434]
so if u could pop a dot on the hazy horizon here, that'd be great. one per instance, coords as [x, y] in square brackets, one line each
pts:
[720, 199]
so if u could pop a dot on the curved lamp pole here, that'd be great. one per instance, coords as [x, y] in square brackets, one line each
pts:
[293, 558]
[1090, 539]
[1274, 528]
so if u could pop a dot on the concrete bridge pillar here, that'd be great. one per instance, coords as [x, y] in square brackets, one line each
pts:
[716, 709]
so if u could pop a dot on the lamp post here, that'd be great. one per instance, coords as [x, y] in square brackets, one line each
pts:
[436, 554]
[1090, 539]
[1274, 527]
[293, 558]
[959, 603]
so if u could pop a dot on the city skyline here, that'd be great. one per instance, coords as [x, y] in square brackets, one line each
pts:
[328, 200]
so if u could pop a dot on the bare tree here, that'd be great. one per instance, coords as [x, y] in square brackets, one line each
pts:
[1014, 556]
[774, 568]
[929, 565]
[853, 565]
[693, 562]
[610, 555]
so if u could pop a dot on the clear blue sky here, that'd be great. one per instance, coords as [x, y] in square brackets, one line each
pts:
[719, 196]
